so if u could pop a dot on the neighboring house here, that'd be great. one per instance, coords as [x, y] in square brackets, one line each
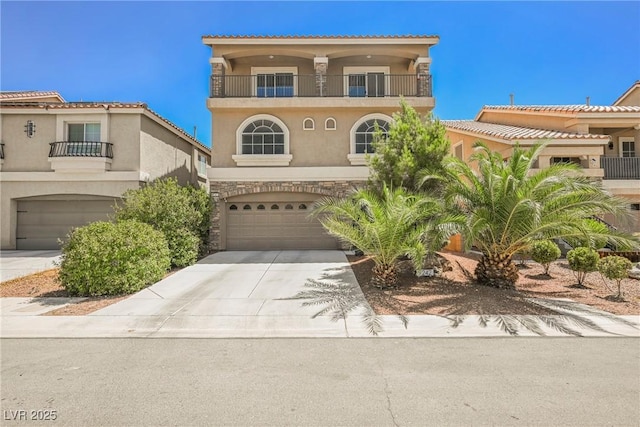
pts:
[64, 164]
[603, 140]
[292, 121]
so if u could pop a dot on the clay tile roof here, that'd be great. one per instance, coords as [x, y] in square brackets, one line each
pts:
[515, 132]
[317, 37]
[29, 94]
[564, 108]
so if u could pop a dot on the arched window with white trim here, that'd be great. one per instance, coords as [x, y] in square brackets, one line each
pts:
[262, 140]
[308, 124]
[362, 135]
[330, 124]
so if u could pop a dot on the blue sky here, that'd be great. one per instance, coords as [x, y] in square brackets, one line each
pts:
[542, 52]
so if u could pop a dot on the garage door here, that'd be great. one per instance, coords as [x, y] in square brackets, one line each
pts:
[42, 222]
[275, 225]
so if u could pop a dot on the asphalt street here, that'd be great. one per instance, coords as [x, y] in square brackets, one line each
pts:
[387, 382]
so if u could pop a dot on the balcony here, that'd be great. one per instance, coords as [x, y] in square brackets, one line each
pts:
[293, 90]
[80, 156]
[620, 168]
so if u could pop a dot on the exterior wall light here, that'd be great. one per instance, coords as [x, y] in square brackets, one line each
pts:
[30, 128]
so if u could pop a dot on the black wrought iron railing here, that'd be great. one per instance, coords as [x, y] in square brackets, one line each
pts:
[300, 86]
[620, 167]
[81, 149]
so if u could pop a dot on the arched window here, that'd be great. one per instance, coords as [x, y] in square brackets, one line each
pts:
[233, 208]
[362, 135]
[308, 124]
[302, 207]
[288, 207]
[262, 137]
[261, 207]
[275, 207]
[365, 132]
[330, 124]
[262, 140]
[246, 208]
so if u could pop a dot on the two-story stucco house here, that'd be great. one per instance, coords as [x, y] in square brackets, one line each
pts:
[602, 139]
[292, 121]
[64, 164]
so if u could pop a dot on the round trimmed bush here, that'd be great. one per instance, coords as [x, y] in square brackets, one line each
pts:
[105, 258]
[582, 261]
[615, 268]
[544, 252]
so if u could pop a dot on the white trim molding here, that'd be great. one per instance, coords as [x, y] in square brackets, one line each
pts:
[326, 124]
[308, 120]
[262, 159]
[359, 159]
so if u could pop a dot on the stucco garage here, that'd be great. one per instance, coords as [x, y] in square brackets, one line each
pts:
[42, 221]
[273, 222]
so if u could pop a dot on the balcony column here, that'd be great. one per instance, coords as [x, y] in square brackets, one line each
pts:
[320, 63]
[422, 66]
[218, 66]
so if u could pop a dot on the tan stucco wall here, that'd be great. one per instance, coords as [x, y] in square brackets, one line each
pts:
[123, 134]
[633, 98]
[317, 147]
[22, 153]
[13, 191]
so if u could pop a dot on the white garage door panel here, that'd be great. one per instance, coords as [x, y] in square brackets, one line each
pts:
[281, 228]
[42, 222]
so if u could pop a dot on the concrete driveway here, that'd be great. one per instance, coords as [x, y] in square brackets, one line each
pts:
[15, 264]
[251, 290]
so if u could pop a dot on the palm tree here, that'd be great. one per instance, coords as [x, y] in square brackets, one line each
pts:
[508, 206]
[386, 226]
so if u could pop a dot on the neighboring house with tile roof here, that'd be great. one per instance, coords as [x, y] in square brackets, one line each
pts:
[64, 164]
[603, 140]
[292, 121]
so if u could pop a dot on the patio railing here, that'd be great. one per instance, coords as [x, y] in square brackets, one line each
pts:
[81, 149]
[620, 167]
[300, 86]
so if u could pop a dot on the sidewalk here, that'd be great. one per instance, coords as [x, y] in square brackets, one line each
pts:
[15, 264]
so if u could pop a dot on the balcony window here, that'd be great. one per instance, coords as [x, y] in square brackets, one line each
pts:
[278, 85]
[79, 134]
[369, 84]
[628, 148]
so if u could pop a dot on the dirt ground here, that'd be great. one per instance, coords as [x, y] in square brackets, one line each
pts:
[46, 284]
[453, 293]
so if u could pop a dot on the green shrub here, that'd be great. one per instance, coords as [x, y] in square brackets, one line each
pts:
[105, 258]
[544, 252]
[615, 268]
[582, 261]
[181, 213]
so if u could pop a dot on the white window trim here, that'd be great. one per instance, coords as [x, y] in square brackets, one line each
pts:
[360, 159]
[63, 121]
[304, 124]
[273, 70]
[262, 159]
[198, 163]
[363, 70]
[622, 139]
[326, 124]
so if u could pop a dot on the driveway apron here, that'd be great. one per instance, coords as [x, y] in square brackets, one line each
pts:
[260, 292]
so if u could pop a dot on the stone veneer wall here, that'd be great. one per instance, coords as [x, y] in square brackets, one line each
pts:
[222, 190]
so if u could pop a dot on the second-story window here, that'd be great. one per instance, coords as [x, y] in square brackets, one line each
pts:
[369, 84]
[83, 139]
[365, 133]
[202, 165]
[277, 85]
[84, 132]
[628, 148]
[263, 137]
